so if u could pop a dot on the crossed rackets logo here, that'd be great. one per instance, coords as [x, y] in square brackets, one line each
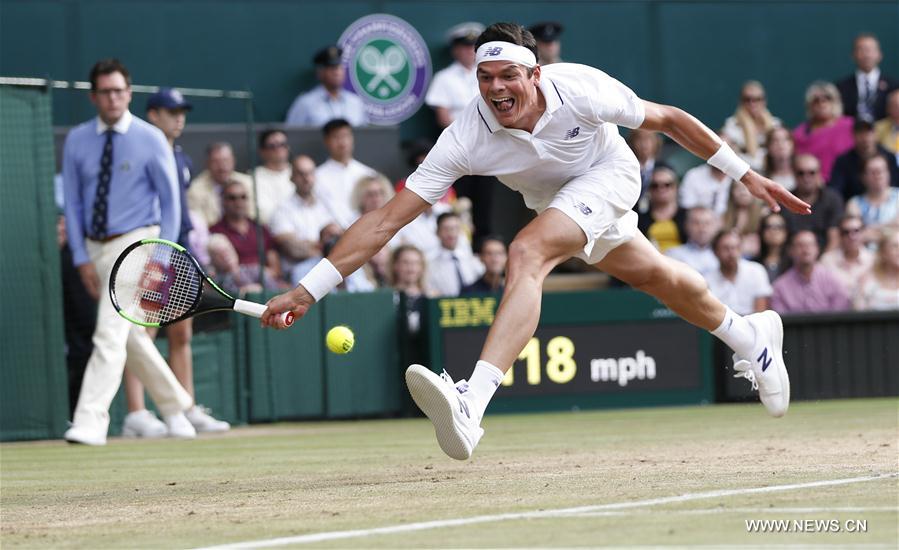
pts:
[385, 68]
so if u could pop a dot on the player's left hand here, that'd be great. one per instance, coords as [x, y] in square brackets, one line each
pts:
[774, 194]
[297, 300]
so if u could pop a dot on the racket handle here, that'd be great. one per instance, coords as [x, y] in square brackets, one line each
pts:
[256, 310]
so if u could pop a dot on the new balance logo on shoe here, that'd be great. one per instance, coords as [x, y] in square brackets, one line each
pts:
[463, 407]
[764, 360]
[573, 132]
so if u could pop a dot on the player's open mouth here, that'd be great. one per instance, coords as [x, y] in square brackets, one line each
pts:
[503, 104]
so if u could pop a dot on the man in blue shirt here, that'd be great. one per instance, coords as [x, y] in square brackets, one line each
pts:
[120, 186]
[328, 100]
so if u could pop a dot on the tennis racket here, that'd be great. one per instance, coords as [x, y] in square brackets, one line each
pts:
[156, 282]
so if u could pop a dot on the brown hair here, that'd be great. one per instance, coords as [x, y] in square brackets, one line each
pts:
[394, 258]
[108, 66]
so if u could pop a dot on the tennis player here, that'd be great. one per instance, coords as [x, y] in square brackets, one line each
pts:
[551, 134]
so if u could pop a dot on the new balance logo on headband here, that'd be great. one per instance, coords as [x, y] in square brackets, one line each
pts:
[496, 50]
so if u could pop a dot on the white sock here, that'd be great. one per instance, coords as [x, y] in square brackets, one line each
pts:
[483, 383]
[736, 332]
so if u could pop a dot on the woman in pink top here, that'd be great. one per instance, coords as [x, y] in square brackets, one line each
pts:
[826, 134]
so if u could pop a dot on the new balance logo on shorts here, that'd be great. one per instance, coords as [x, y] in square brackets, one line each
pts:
[585, 210]
[573, 132]
[764, 360]
[496, 50]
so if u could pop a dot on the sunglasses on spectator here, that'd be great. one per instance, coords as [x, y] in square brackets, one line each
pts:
[661, 185]
[846, 231]
[775, 226]
[236, 197]
[753, 98]
[276, 145]
[806, 172]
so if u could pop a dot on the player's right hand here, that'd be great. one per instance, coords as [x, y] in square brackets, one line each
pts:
[90, 279]
[297, 300]
[774, 194]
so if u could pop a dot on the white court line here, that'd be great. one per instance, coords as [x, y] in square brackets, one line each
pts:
[439, 524]
[720, 510]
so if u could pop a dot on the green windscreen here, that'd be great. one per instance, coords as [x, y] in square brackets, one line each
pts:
[33, 395]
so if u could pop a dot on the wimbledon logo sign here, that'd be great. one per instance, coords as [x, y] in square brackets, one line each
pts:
[389, 67]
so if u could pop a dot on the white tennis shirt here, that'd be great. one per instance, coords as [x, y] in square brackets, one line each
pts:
[578, 130]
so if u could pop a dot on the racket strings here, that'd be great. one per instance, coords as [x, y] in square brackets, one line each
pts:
[157, 283]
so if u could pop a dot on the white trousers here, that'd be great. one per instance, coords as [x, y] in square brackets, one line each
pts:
[117, 341]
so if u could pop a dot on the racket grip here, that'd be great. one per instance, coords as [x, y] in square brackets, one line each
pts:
[256, 310]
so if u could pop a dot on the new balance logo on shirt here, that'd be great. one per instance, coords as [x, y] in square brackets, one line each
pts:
[573, 132]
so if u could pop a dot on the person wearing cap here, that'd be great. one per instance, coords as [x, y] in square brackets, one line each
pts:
[551, 133]
[454, 87]
[549, 48]
[167, 110]
[328, 100]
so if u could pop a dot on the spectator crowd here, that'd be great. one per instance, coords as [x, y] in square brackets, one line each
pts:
[843, 159]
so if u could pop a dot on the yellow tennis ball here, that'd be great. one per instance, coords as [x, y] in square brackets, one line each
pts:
[340, 339]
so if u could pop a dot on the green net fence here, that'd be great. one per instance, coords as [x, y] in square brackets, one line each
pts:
[33, 399]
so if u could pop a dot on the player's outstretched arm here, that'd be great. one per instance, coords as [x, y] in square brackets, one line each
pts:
[360, 242]
[697, 138]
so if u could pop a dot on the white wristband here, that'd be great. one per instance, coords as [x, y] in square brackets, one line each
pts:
[321, 279]
[729, 162]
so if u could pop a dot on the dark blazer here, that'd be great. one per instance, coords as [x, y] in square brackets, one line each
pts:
[849, 92]
[846, 179]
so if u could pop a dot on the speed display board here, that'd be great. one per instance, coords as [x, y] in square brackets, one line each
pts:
[595, 349]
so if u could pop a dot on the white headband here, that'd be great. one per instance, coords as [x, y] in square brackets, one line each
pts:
[505, 51]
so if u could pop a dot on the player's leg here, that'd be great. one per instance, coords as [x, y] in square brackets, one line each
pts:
[544, 243]
[148, 364]
[639, 264]
[456, 409]
[757, 339]
[139, 422]
[180, 355]
[180, 335]
[103, 374]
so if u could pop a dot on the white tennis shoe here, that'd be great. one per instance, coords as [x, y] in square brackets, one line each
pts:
[179, 426]
[85, 436]
[201, 419]
[449, 408]
[765, 368]
[143, 423]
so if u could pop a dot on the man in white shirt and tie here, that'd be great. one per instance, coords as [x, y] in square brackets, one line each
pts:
[864, 92]
[453, 266]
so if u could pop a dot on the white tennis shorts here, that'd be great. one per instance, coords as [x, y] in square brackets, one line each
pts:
[601, 202]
